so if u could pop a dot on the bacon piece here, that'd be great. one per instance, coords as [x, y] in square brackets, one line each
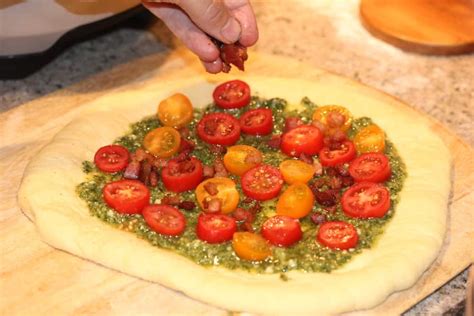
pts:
[242, 215]
[145, 172]
[207, 172]
[186, 146]
[347, 181]
[247, 227]
[153, 178]
[187, 205]
[214, 205]
[274, 142]
[133, 170]
[234, 54]
[318, 218]
[306, 158]
[326, 198]
[219, 169]
[292, 122]
[159, 163]
[171, 200]
[318, 168]
[253, 158]
[211, 188]
[335, 119]
[335, 183]
[140, 154]
[342, 170]
[217, 149]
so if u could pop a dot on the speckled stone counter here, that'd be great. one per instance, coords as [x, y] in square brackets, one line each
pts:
[326, 34]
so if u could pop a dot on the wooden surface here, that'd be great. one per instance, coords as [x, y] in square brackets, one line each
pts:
[424, 26]
[37, 279]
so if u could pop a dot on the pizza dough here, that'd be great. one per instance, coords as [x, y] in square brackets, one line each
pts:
[47, 195]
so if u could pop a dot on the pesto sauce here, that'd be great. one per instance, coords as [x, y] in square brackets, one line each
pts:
[307, 255]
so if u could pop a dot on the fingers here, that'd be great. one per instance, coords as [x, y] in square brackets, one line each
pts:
[242, 11]
[213, 67]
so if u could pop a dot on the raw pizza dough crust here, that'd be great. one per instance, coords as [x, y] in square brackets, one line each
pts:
[410, 243]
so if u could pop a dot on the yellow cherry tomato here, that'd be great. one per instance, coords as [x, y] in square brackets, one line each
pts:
[321, 115]
[370, 139]
[240, 158]
[175, 111]
[296, 171]
[250, 246]
[162, 142]
[226, 192]
[296, 202]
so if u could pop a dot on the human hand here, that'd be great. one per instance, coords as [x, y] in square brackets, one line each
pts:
[193, 21]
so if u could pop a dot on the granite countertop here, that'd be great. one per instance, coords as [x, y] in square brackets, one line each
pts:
[326, 34]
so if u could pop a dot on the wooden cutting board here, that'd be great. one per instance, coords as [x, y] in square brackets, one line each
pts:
[37, 279]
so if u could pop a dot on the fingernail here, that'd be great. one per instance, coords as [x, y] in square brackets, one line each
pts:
[231, 31]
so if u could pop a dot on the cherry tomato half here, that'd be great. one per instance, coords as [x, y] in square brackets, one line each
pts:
[338, 235]
[164, 219]
[240, 158]
[226, 192]
[262, 183]
[250, 246]
[366, 200]
[162, 142]
[215, 228]
[370, 167]
[296, 171]
[182, 175]
[257, 122]
[175, 111]
[232, 94]
[112, 158]
[331, 158]
[322, 113]
[219, 129]
[282, 231]
[126, 196]
[296, 201]
[304, 139]
[370, 139]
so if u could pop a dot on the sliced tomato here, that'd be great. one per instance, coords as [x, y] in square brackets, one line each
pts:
[215, 228]
[257, 122]
[227, 193]
[182, 175]
[296, 201]
[366, 200]
[262, 183]
[240, 158]
[126, 196]
[304, 139]
[282, 231]
[370, 167]
[112, 158]
[296, 171]
[162, 142]
[164, 219]
[370, 139]
[338, 235]
[325, 116]
[175, 111]
[219, 129]
[232, 94]
[331, 158]
[250, 246]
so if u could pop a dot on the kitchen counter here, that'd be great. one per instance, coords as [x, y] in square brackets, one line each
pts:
[326, 34]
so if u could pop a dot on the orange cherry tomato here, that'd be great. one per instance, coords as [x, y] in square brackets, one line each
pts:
[175, 111]
[226, 192]
[240, 158]
[321, 115]
[370, 139]
[296, 171]
[162, 142]
[296, 202]
[250, 246]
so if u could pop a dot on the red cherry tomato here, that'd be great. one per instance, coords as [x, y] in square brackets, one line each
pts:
[304, 139]
[182, 175]
[219, 128]
[257, 122]
[337, 235]
[262, 182]
[215, 228]
[282, 231]
[126, 196]
[111, 158]
[366, 200]
[164, 219]
[331, 158]
[232, 94]
[370, 167]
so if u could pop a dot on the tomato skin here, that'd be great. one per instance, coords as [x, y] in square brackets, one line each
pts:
[282, 231]
[331, 158]
[126, 196]
[337, 235]
[219, 128]
[304, 139]
[175, 111]
[179, 178]
[227, 192]
[215, 228]
[370, 139]
[296, 171]
[250, 246]
[257, 122]
[262, 182]
[162, 142]
[232, 94]
[112, 158]
[241, 158]
[366, 200]
[296, 201]
[370, 167]
[164, 219]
